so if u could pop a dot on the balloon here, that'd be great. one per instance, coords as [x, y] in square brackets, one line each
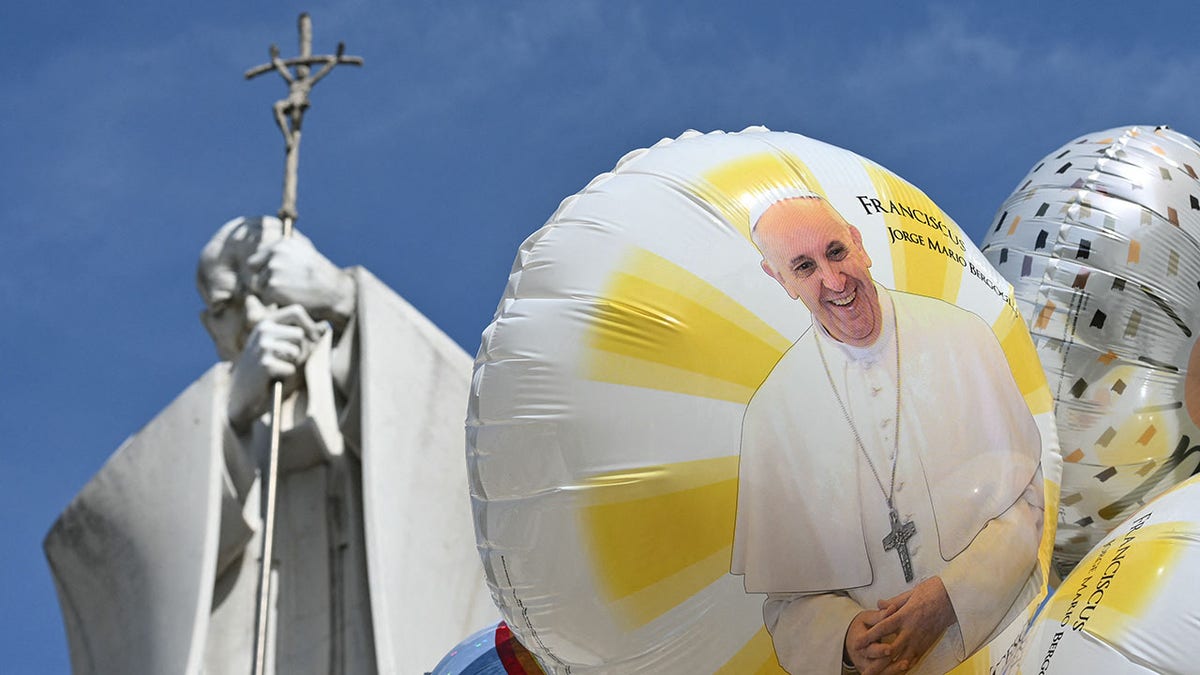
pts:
[491, 651]
[606, 407]
[1100, 243]
[1132, 604]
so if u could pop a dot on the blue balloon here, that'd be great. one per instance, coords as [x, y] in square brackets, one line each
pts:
[491, 651]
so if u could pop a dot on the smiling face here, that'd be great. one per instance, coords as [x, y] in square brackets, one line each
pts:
[819, 259]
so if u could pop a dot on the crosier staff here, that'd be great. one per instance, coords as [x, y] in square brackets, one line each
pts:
[289, 114]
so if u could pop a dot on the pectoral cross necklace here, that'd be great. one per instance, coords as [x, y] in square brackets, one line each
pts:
[901, 532]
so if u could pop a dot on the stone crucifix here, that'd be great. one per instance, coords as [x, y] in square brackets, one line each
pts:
[289, 111]
[289, 115]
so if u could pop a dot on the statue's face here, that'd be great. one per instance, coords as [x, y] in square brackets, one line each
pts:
[819, 259]
[232, 310]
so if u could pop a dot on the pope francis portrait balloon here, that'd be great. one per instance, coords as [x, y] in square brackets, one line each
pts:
[890, 499]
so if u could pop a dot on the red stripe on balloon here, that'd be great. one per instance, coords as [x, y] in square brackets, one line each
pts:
[504, 649]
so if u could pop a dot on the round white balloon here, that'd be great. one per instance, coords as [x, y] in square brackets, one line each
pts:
[609, 391]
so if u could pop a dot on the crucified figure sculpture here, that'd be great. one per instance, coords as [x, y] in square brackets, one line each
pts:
[289, 114]
[299, 86]
[289, 111]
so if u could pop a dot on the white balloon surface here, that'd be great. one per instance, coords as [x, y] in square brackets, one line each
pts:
[609, 391]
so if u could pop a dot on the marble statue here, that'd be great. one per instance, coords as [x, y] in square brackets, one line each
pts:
[156, 561]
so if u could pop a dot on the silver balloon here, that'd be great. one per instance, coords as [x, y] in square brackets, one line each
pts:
[1100, 242]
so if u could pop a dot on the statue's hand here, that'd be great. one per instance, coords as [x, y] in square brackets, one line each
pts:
[278, 345]
[293, 272]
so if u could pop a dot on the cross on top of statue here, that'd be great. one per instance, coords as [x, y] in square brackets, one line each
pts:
[289, 114]
[289, 111]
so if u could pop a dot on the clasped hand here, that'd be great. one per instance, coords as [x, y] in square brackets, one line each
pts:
[293, 272]
[275, 350]
[894, 637]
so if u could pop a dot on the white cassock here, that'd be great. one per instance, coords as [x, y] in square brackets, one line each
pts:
[156, 560]
[812, 517]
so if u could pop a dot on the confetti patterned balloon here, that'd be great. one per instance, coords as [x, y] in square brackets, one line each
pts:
[606, 409]
[1101, 244]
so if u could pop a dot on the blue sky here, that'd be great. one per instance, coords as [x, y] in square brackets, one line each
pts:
[130, 135]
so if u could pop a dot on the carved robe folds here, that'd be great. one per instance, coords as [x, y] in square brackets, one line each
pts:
[156, 567]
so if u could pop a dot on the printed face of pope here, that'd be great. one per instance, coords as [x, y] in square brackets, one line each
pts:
[819, 259]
